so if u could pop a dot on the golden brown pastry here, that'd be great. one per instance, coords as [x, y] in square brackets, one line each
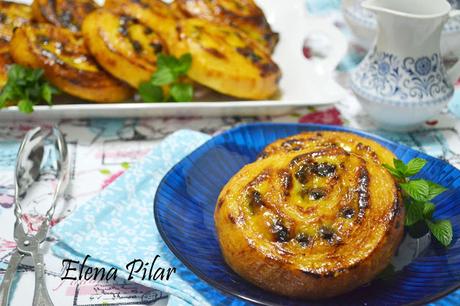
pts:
[12, 15]
[242, 14]
[63, 13]
[225, 59]
[314, 140]
[154, 13]
[316, 216]
[123, 45]
[66, 63]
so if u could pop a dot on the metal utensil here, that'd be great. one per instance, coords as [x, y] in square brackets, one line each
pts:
[29, 161]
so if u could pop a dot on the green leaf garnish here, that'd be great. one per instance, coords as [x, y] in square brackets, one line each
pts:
[169, 70]
[435, 190]
[428, 210]
[163, 76]
[26, 106]
[414, 213]
[185, 61]
[401, 170]
[400, 166]
[393, 171]
[442, 231]
[167, 61]
[26, 87]
[181, 92]
[414, 166]
[417, 189]
[418, 194]
[150, 92]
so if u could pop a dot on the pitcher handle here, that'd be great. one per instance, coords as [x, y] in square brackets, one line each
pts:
[454, 71]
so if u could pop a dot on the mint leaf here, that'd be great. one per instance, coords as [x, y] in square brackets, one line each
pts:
[400, 166]
[414, 213]
[417, 189]
[418, 193]
[442, 231]
[414, 166]
[428, 210]
[16, 73]
[33, 75]
[27, 87]
[47, 93]
[167, 61]
[163, 76]
[185, 61]
[435, 190]
[393, 171]
[181, 92]
[169, 69]
[150, 92]
[26, 106]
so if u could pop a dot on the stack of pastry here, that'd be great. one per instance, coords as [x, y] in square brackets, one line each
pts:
[103, 54]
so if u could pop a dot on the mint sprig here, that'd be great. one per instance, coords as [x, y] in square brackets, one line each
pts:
[26, 87]
[401, 170]
[169, 71]
[441, 230]
[418, 194]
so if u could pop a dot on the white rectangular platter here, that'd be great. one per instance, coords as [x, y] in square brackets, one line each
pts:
[304, 82]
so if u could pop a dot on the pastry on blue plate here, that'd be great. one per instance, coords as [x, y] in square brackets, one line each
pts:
[317, 215]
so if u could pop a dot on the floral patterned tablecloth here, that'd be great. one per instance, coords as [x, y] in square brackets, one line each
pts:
[102, 149]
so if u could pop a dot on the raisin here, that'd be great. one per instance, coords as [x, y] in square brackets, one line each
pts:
[302, 174]
[137, 46]
[324, 169]
[280, 231]
[326, 233]
[303, 239]
[347, 212]
[316, 194]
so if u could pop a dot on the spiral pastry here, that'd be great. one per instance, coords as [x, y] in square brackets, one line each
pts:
[123, 45]
[154, 13]
[66, 62]
[12, 15]
[63, 13]
[225, 59]
[242, 14]
[312, 222]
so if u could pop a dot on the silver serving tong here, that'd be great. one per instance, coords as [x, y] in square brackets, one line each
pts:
[28, 164]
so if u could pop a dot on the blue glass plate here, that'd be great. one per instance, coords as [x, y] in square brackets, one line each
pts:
[184, 205]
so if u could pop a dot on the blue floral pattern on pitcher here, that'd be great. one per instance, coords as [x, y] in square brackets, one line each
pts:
[386, 77]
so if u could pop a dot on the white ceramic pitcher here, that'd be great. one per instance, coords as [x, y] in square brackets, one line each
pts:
[402, 82]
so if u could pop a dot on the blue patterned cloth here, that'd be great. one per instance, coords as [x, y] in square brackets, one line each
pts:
[118, 226]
